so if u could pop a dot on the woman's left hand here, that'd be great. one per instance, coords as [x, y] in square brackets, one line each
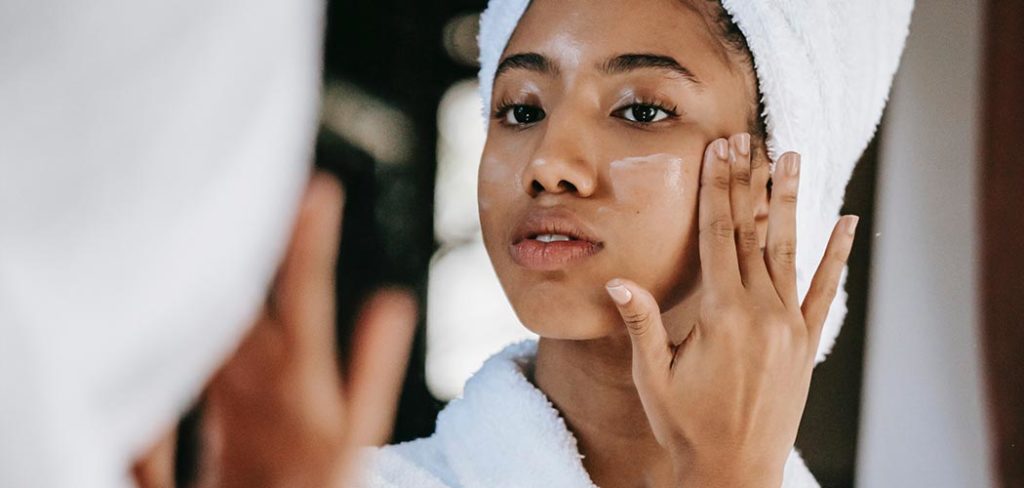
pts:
[727, 401]
[279, 413]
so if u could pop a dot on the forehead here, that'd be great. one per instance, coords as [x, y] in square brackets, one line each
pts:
[574, 32]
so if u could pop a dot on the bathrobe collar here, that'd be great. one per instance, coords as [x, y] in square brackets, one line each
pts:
[504, 432]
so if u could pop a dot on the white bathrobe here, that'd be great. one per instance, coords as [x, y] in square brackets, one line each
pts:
[503, 432]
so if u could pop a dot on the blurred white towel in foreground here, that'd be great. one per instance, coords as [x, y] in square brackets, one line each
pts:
[151, 158]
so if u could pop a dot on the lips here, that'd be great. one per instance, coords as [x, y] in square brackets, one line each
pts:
[553, 239]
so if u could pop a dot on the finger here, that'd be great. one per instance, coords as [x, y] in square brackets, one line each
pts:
[652, 351]
[780, 245]
[380, 353]
[759, 182]
[826, 279]
[155, 469]
[719, 268]
[252, 361]
[304, 292]
[748, 246]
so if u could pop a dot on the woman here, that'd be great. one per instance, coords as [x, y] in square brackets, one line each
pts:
[625, 180]
[626, 206]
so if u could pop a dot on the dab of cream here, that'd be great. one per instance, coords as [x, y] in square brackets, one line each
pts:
[632, 177]
[495, 177]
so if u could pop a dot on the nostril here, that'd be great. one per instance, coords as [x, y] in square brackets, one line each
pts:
[563, 186]
[536, 187]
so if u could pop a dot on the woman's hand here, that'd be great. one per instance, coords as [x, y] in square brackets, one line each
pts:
[279, 413]
[727, 401]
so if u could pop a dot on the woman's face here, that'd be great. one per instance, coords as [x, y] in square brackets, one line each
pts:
[601, 113]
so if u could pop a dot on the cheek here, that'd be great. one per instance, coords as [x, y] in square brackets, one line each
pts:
[657, 195]
[650, 182]
[497, 184]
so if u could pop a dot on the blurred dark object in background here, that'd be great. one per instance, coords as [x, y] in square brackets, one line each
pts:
[393, 51]
[1002, 262]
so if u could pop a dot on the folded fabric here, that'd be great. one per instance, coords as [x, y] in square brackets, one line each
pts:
[503, 432]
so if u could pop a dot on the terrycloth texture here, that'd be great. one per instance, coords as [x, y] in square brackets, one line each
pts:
[503, 432]
[824, 70]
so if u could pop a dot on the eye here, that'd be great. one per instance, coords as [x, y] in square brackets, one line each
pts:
[643, 113]
[521, 114]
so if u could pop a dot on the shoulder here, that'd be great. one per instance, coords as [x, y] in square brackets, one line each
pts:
[419, 463]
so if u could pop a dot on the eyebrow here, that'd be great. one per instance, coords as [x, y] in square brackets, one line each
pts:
[629, 62]
[622, 63]
[528, 61]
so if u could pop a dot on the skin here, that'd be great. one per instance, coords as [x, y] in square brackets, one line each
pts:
[581, 143]
[706, 384]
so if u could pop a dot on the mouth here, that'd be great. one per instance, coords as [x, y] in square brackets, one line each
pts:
[552, 239]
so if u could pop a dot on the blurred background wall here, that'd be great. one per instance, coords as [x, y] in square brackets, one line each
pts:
[923, 411]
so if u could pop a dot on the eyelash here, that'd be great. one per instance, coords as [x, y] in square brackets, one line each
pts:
[671, 113]
[507, 105]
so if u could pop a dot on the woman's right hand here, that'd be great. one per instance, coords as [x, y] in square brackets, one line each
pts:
[727, 401]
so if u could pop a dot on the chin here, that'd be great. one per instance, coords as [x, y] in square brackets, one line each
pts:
[555, 312]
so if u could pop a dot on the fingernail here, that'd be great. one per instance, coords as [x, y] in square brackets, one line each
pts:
[793, 165]
[851, 224]
[722, 150]
[619, 293]
[744, 144]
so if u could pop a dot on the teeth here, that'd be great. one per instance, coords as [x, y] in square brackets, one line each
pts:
[552, 238]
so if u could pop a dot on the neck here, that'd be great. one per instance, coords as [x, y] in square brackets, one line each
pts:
[591, 384]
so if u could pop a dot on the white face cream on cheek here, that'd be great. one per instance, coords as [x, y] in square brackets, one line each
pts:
[496, 178]
[636, 180]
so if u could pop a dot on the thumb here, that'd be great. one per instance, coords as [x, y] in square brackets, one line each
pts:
[639, 310]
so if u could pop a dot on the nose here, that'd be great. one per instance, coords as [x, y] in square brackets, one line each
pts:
[562, 162]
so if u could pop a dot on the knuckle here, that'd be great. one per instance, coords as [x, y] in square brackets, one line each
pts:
[720, 181]
[785, 325]
[799, 332]
[636, 320]
[747, 239]
[825, 292]
[784, 252]
[779, 332]
[726, 313]
[830, 293]
[735, 316]
[720, 227]
[787, 197]
[741, 176]
[771, 335]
